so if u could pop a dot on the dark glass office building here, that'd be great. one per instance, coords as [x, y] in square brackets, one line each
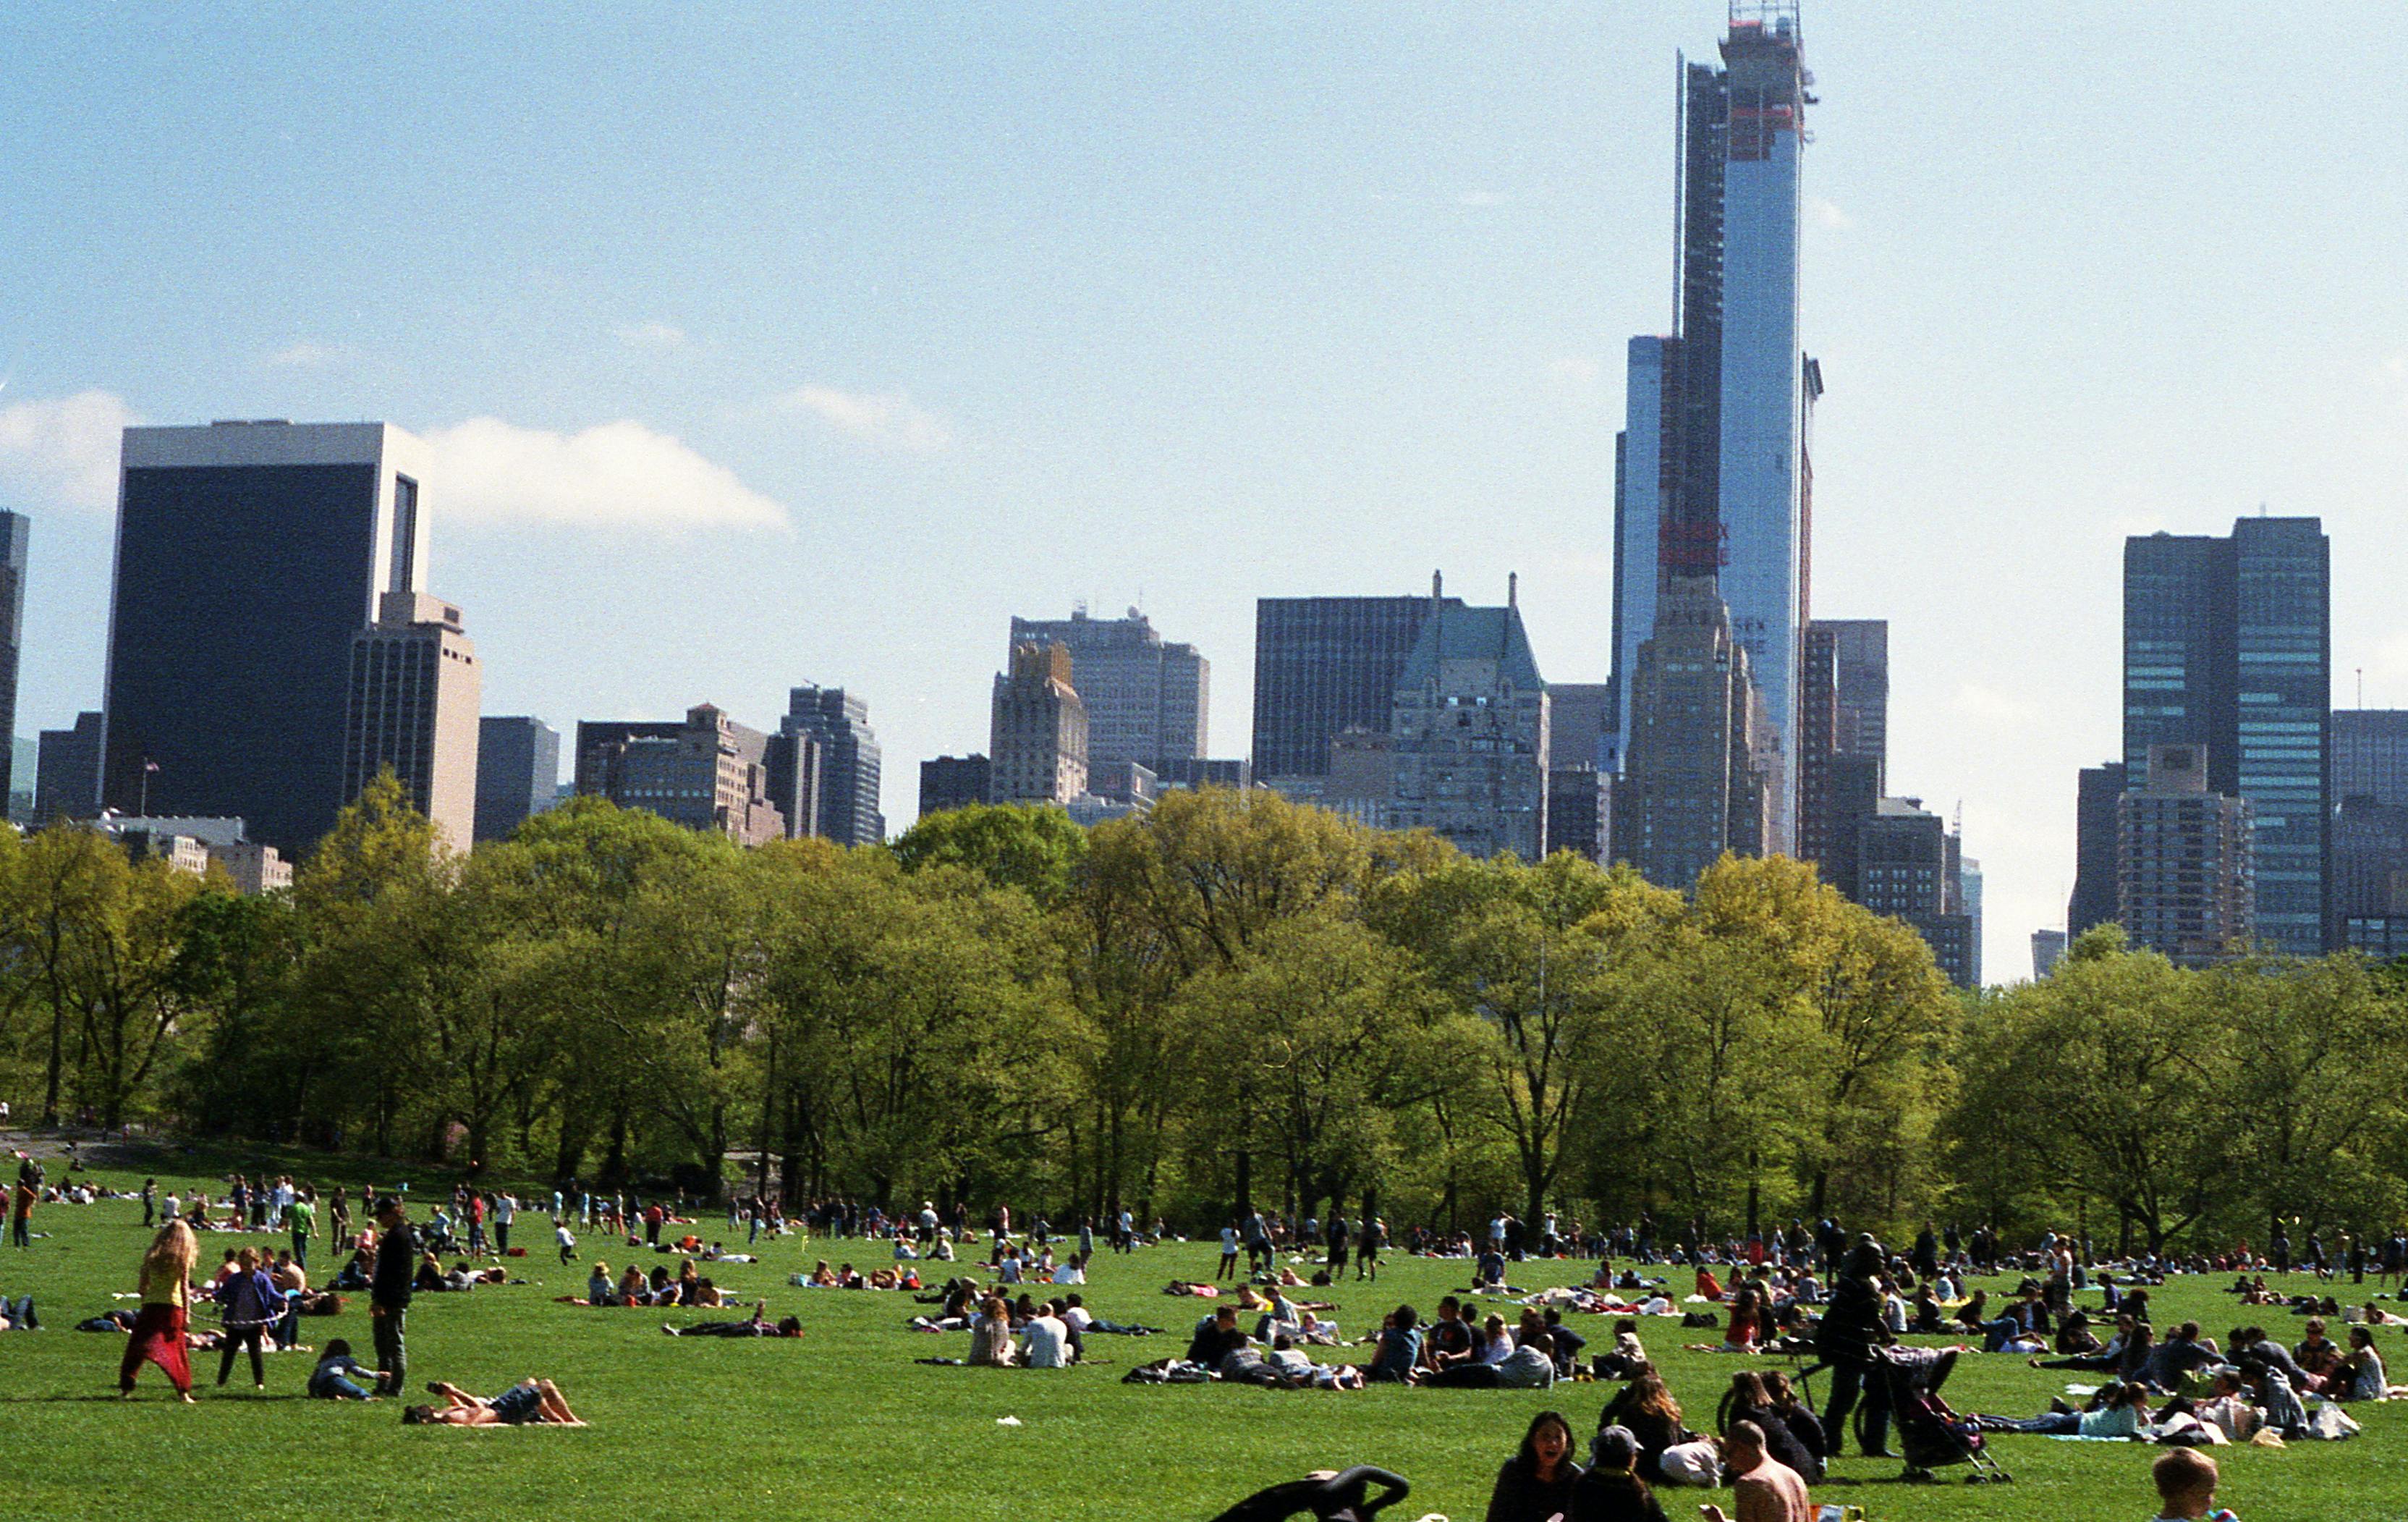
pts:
[2228, 644]
[851, 771]
[518, 773]
[248, 556]
[67, 771]
[2094, 847]
[1322, 664]
[15, 528]
[2371, 756]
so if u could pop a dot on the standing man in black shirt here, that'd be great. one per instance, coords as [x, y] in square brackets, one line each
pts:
[396, 1261]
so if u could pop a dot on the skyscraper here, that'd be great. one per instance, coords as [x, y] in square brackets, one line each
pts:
[1469, 733]
[1909, 868]
[15, 529]
[2097, 791]
[851, 769]
[1713, 460]
[796, 763]
[1146, 700]
[2047, 950]
[247, 556]
[1860, 654]
[1580, 725]
[414, 690]
[2184, 861]
[2227, 648]
[1321, 665]
[67, 772]
[1699, 763]
[2371, 756]
[518, 772]
[1036, 747]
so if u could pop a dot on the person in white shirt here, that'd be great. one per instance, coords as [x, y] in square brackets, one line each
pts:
[903, 1249]
[1228, 1252]
[506, 1209]
[1071, 1271]
[1045, 1341]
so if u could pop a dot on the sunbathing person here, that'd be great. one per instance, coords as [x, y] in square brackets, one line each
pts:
[822, 1277]
[759, 1325]
[528, 1403]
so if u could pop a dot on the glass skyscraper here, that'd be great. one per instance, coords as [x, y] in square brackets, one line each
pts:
[1712, 462]
[1322, 666]
[247, 556]
[2228, 644]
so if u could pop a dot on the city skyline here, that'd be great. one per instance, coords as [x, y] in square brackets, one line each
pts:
[1367, 326]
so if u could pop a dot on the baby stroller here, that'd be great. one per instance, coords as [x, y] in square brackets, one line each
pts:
[1324, 1498]
[1929, 1434]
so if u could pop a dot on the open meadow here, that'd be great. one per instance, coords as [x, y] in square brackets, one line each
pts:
[845, 1424]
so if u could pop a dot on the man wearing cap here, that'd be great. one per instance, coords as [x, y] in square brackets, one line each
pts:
[396, 1260]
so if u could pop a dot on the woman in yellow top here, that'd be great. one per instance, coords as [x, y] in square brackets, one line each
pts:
[167, 1296]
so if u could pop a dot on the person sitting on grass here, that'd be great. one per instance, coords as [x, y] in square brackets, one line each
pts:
[1647, 1409]
[633, 1288]
[2187, 1480]
[1748, 1400]
[1611, 1490]
[1536, 1484]
[2316, 1354]
[1400, 1348]
[1764, 1488]
[2361, 1375]
[530, 1402]
[1216, 1336]
[1045, 1341]
[597, 1285]
[991, 1345]
[757, 1325]
[2177, 1360]
[335, 1376]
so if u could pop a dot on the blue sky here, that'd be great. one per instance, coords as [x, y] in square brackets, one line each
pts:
[855, 333]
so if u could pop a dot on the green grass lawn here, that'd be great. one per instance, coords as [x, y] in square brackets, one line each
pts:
[844, 1425]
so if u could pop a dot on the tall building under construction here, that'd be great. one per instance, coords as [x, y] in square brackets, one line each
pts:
[1713, 504]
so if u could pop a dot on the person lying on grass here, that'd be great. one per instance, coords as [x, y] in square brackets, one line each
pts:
[758, 1325]
[530, 1402]
[2119, 1410]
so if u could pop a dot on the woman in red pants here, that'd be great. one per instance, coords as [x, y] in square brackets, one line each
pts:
[159, 1325]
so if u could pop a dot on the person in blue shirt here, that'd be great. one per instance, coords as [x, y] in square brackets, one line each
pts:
[337, 1373]
[1400, 1347]
[247, 1304]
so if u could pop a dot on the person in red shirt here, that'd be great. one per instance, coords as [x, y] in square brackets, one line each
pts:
[653, 1215]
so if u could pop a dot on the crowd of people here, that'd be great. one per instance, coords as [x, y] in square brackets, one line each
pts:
[1844, 1303]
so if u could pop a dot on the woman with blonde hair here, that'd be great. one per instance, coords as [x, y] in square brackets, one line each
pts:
[167, 1287]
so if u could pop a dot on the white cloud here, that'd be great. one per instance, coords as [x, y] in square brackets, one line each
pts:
[1578, 371]
[64, 452]
[307, 357]
[651, 335]
[1828, 214]
[1990, 705]
[617, 475]
[886, 419]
